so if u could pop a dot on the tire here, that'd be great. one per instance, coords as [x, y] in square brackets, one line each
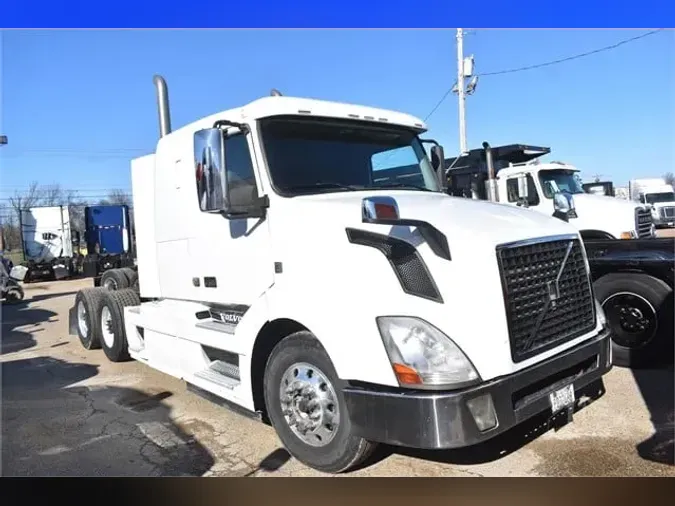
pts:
[111, 316]
[88, 309]
[340, 450]
[114, 279]
[625, 297]
[14, 294]
[132, 276]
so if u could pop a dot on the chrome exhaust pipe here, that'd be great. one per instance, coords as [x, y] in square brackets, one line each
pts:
[163, 105]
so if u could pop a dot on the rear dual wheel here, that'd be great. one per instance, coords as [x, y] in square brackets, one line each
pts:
[119, 279]
[113, 332]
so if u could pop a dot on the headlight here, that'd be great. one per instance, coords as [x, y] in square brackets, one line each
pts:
[601, 313]
[422, 355]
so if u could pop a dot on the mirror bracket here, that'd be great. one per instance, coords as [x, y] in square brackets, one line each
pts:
[223, 124]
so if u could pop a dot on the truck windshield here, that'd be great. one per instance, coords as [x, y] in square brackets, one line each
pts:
[559, 180]
[315, 155]
[657, 198]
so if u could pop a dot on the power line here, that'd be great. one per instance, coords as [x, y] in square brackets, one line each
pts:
[574, 57]
[548, 63]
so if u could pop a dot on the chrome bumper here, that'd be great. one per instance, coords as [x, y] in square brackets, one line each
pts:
[437, 420]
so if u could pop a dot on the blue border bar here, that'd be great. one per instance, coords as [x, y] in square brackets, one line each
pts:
[343, 14]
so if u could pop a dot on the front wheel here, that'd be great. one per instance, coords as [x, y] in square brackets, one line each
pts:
[307, 409]
[639, 310]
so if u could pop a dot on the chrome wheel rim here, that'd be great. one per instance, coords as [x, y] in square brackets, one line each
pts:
[110, 284]
[82, 319]
[106, 327]
[309, 404]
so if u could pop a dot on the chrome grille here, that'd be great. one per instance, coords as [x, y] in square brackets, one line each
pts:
[643, 222]
[547, 294]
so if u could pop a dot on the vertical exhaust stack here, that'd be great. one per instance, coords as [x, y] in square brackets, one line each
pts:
[163, 105]
[491, 183]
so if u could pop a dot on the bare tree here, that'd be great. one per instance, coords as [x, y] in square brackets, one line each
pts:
[30, 198]
[117, 197]
[669, 178]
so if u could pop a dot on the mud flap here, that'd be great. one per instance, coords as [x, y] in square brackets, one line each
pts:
[72, 321]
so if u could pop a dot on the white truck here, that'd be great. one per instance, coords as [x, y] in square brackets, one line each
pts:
[594, 216]
[47, 241]
[277, 276]
[658, 196]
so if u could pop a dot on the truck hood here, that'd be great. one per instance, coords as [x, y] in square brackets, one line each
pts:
[310, 238]
[461, 219]
[600, 212]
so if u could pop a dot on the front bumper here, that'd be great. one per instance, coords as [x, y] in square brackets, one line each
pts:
[437, 420]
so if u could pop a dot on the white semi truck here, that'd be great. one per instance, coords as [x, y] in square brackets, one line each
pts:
[47, 240]
[277, 276]
[658, 196]
[594, 216]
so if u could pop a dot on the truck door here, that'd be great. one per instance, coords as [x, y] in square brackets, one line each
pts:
[233, 257]
[533, 199]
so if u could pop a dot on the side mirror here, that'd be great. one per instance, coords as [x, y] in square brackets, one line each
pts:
[523, 193]
[438, 164]
[209, 160]
[563, 206]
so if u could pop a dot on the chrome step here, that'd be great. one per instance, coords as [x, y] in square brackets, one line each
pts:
[225, 328]
[219, 379]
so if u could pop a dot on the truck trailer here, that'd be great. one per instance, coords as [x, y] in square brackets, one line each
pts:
[278, 276]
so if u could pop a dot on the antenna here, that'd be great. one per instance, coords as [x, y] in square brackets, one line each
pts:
[275, 93]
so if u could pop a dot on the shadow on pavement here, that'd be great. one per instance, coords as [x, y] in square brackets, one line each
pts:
[38, 298]
[500, 446]
[657, 387]
[19, 324]
[51, 426]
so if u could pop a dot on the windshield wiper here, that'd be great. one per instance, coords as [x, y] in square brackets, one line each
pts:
[320, 186]
[400, 185]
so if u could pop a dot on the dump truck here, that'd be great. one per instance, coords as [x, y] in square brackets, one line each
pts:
[594, 216]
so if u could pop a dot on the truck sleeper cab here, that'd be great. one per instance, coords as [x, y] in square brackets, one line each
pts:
[282, 274]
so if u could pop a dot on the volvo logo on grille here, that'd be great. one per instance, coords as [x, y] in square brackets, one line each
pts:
[553, 292]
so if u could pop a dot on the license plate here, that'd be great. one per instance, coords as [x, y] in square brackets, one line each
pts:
[563, 398]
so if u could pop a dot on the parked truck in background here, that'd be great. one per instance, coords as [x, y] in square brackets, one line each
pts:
[594, 216]
[277, 275]
[605, 188]
[48, 243]
[657, 196]
[108, 238]
[632, 280]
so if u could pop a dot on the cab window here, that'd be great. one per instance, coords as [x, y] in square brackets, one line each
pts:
[512, 190]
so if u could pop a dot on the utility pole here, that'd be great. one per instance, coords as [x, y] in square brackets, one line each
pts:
[460, 91]
[3, 141]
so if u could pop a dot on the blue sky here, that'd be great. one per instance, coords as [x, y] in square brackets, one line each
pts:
[77, 105]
